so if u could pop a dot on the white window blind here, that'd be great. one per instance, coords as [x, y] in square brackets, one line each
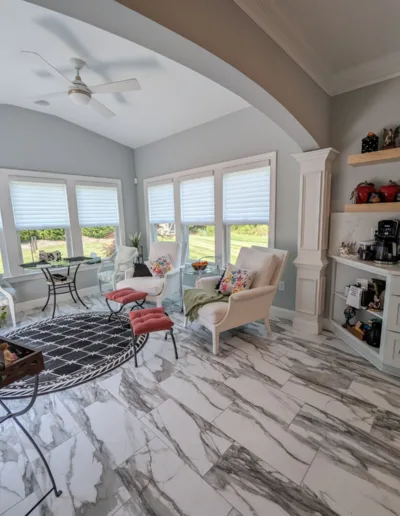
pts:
[39, 205]
[97, 205]
[246, 196]
[161, 203]
[197, 201]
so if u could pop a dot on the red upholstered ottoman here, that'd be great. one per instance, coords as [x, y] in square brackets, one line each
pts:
[148, 321]
[124, 296]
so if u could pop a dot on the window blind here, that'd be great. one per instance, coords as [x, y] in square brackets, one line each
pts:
[197, 201]
[246, 196]
[97, 205]
[161, 203]
[39, 205]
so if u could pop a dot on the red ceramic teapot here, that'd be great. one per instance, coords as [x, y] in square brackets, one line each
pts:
[362, 192]
[389, 191]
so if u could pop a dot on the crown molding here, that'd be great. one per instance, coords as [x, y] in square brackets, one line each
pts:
[268, 16]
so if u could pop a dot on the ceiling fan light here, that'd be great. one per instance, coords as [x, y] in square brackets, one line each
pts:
[79, 97]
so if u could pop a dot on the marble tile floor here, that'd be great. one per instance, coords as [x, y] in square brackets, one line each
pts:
[287, 425]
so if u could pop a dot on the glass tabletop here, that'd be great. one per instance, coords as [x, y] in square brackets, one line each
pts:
[66, 262]
[210, 269]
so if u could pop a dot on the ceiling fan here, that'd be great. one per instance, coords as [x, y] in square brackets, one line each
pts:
[79, 92]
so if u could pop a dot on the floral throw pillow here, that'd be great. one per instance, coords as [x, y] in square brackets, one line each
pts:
[160, 267]
[236, 280]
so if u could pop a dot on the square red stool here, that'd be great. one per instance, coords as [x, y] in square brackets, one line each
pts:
[147, 321]
[124, 296]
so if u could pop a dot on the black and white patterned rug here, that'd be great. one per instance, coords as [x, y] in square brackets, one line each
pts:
[76, 348]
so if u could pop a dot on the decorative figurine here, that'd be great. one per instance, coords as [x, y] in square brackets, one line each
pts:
[374, 197]
[9, 357]
[349, 313]
[370, 143]
[389, 139]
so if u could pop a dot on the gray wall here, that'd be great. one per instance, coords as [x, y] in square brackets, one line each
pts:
[35, 141]
[244, 133]
[354, 114]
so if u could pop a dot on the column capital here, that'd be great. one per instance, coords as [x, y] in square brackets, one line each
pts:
[327, 155]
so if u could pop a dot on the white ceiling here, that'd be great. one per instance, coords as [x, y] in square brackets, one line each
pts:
[173, 98]
[341, 44]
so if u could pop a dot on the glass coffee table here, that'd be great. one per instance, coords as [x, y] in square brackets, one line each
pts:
[58, 283]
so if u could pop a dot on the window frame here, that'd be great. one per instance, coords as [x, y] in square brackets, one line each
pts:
[218, 169]
[11, 242]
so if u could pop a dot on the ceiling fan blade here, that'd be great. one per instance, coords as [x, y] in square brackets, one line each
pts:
[116, 87]
[101, 108]
[38, 58]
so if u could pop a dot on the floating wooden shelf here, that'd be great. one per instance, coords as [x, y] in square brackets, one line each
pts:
[374, 158]
[379, 207]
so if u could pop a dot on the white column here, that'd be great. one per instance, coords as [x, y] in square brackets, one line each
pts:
[312, 244]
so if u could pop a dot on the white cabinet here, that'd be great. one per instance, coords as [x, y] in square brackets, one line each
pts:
[344, 272]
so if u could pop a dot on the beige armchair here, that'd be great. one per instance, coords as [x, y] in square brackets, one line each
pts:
[158, 289]
[249, 305]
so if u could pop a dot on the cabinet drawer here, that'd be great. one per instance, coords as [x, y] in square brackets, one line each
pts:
[391, 355]
[395, 288]
[393, 322]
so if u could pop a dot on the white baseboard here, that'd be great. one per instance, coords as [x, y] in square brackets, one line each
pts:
[39, 302]
[285, 313]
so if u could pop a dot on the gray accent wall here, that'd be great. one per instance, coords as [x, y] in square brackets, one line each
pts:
[30, 140]
[244, 133]
[354, 114]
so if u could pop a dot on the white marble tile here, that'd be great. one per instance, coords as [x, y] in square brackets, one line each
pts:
[17, 480]
[386, 397]
[269, 400]
[49, 422]
[386, 427]
[80, 397]
[162, 484]
[89, 487]
[197, 394]
[269, 440]
[114, 430]
[346, 408]
[25, 505]
[254, 488]
[131, 508]
[348, 494]
[138, 388]
[199, 443]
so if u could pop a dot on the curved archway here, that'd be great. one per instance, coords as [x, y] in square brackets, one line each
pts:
[282, 91]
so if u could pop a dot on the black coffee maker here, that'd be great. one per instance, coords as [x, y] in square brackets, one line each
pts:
[387, 242]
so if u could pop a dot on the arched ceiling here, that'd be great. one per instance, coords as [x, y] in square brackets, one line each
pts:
[219, 41]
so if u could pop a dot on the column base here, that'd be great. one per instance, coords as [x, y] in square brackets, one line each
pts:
[303, 325]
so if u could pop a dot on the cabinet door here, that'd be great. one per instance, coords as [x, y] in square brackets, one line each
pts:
[393, 322]
[391, 355]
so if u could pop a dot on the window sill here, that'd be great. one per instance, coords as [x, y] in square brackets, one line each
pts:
[39, 275]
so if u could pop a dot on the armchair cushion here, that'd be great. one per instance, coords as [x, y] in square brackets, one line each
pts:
[153, 286]
[214, 312]
[264, 263]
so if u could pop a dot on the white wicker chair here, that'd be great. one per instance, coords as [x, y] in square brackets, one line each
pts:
[113, 270]
[7, 295]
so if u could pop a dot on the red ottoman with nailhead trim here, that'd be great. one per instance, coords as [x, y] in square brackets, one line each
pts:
[124, 296]
[148, 321]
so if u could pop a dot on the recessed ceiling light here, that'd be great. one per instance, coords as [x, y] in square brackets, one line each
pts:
[43, 103]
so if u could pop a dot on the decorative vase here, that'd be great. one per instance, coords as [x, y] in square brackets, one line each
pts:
[389, 191]
[362, 191]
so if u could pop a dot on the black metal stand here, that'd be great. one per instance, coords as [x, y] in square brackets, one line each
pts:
[61, 288]
[14, 417]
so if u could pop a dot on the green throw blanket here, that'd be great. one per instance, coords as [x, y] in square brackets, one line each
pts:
[195, 298]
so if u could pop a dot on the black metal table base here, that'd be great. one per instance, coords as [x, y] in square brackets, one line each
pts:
[115, 314]
[11, 415]
[61, 288]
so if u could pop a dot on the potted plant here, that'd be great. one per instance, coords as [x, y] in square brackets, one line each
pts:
[134, 239]
[3, 315]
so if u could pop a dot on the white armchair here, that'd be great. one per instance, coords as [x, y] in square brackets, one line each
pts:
[249, 305]
[7, 294]
[113, 270]
[158, 289]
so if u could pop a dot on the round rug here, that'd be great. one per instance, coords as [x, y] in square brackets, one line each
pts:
[76, 348]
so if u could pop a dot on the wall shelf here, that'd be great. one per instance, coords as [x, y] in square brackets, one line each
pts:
[378, 313]
[374, 158]
[379, 207]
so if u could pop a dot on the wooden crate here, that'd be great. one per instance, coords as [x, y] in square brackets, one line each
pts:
[30, 364]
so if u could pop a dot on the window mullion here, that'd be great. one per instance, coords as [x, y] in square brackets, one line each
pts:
[75, 230]
[11, 238]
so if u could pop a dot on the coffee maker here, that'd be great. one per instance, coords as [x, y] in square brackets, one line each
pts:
[386, 249]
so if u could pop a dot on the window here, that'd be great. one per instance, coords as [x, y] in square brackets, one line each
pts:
[246, 209]
[2, 249]
[41, 217]
[197, 216]
[98, 219]
[162, 212]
